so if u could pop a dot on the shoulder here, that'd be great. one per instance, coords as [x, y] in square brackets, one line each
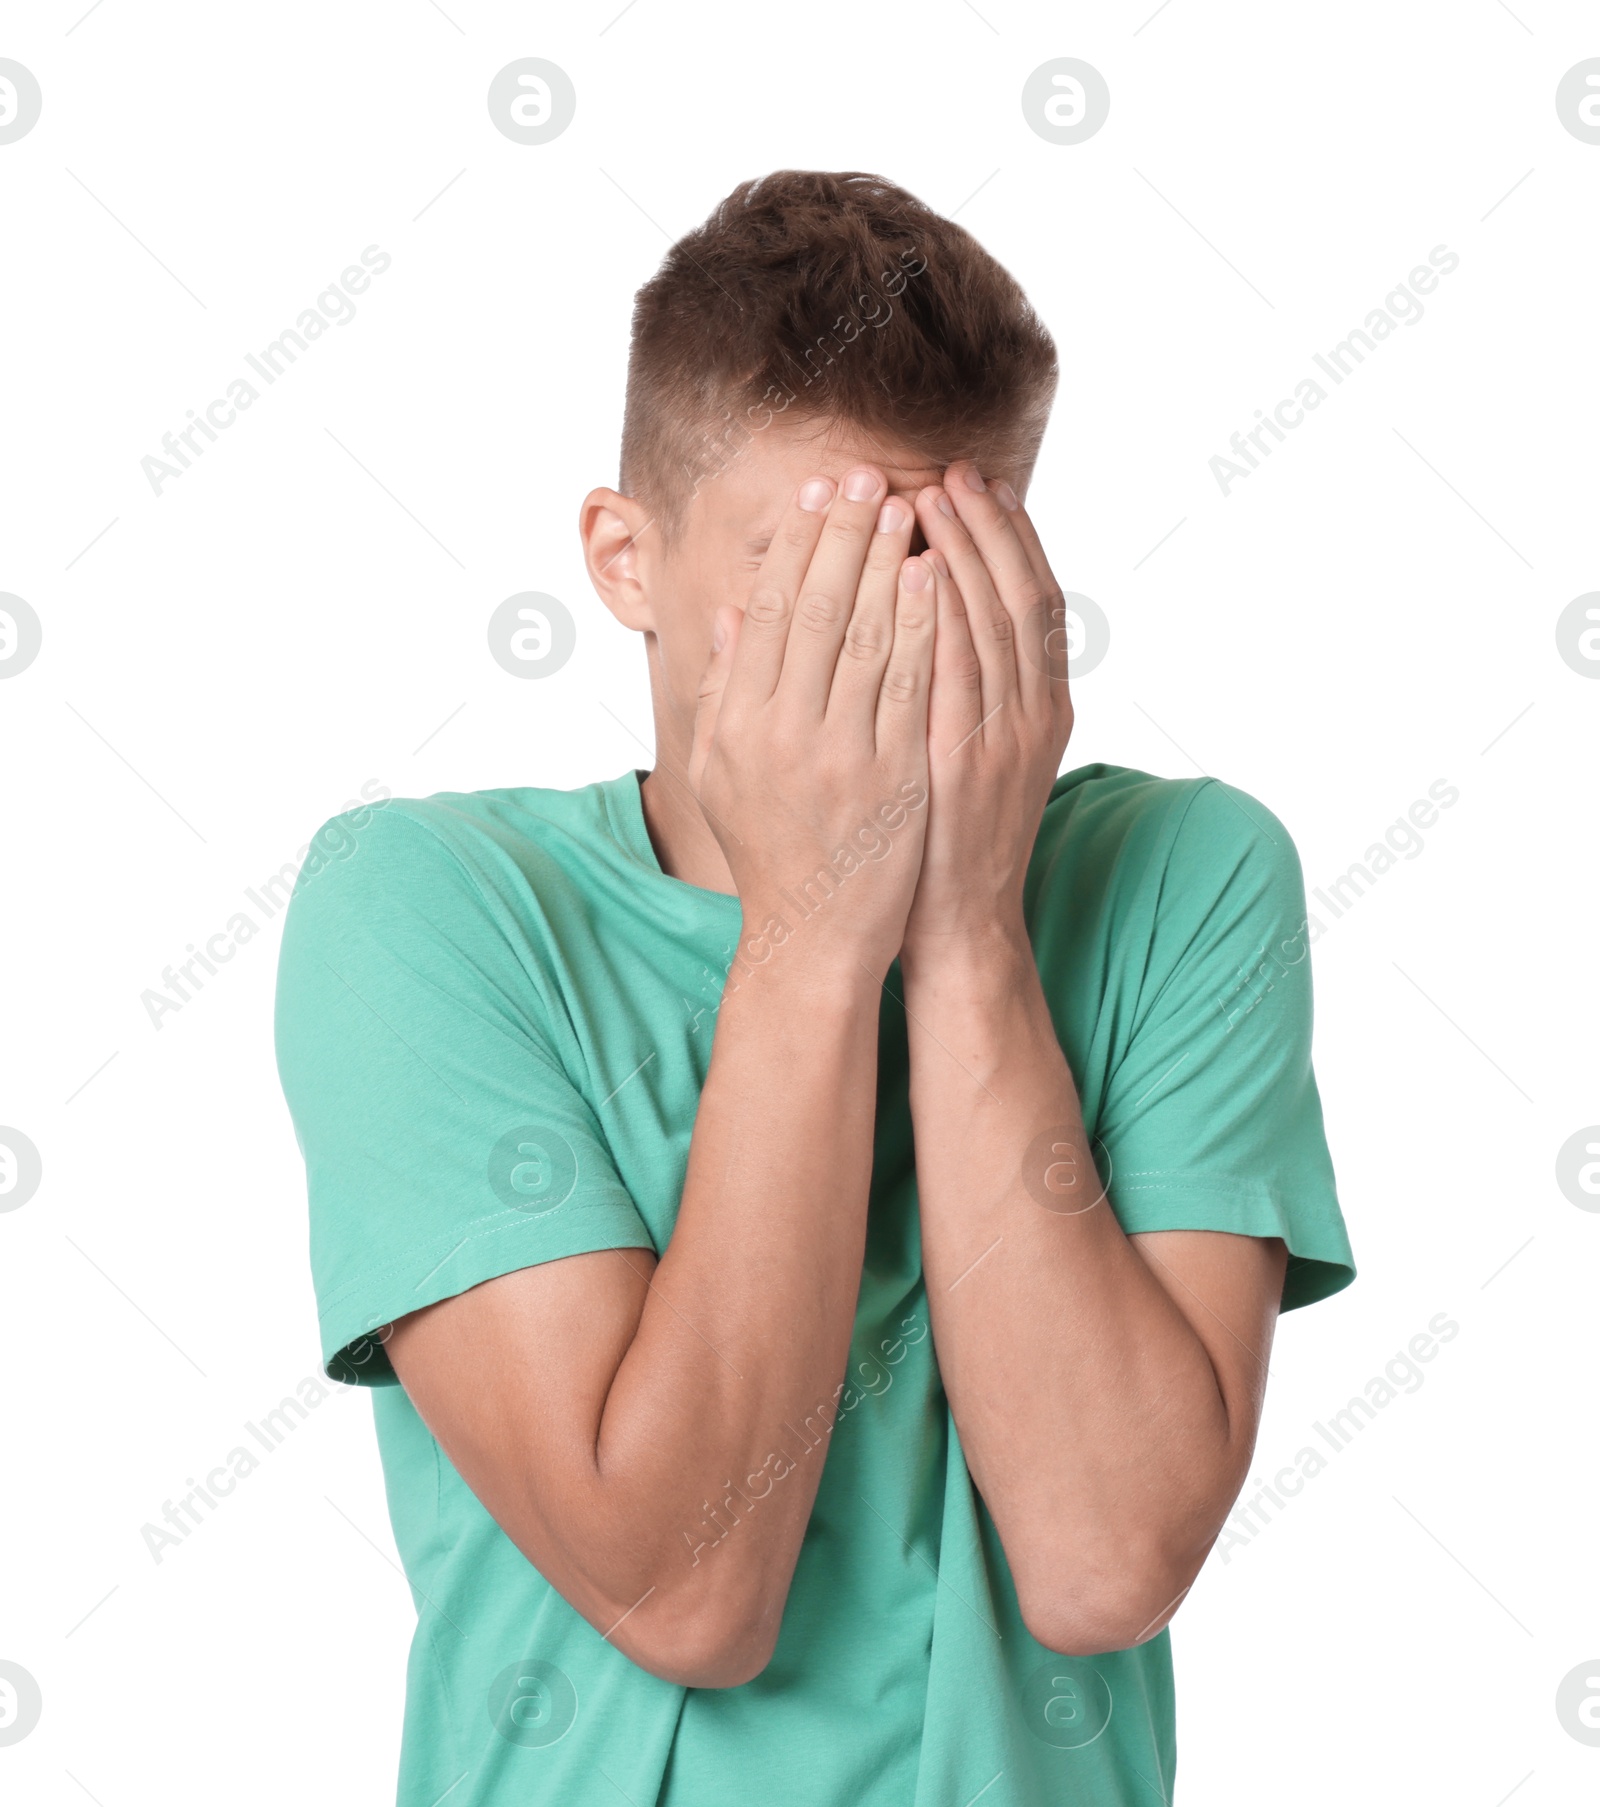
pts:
[417, 911]
[453, 850]
[1164, 845]
[1117, 813]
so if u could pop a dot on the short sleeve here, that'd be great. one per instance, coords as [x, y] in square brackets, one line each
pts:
[1211, 1118]
[444, 1142]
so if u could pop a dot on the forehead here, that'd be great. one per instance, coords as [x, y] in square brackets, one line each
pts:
[761, 476]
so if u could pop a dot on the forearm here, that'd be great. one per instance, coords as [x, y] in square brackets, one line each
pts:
[1088, 1408]
[703, 1480]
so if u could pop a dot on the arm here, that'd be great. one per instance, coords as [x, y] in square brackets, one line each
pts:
[1106, 1388]
[603, 1407]
[618, 1417]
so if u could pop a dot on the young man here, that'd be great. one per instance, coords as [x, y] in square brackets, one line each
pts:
[825, 1201]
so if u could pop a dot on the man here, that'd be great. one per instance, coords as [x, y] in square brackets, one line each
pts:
[825, 1201]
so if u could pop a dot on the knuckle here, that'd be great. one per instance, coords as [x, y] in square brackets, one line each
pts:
[785, 743]
[900, 683]
[1001, 520]
[767, 605]
[865, 639]
[817, 610]
[1000, 628]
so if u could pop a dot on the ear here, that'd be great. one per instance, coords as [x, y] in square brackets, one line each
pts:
[611, 527]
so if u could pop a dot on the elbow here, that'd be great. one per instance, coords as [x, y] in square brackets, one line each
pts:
[702, 1651]
[1076, 1628]
[686, 1629]
[1124, 1607]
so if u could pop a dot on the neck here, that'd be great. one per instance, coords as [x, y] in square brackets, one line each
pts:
[684, 845]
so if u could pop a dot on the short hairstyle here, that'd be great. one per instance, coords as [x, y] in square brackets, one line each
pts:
[815, 295]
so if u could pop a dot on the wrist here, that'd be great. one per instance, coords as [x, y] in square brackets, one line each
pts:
[976, 998]
[994, 956]
[771, 958]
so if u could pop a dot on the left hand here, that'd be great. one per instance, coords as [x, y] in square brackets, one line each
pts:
[999, 715]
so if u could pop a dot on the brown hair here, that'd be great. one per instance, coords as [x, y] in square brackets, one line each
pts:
[813, 295]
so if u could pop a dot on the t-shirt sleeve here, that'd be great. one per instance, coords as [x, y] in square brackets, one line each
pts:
[444, 1141]
[1211, 1118]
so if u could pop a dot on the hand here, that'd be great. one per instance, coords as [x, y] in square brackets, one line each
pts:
[999, 716]
[810, 756]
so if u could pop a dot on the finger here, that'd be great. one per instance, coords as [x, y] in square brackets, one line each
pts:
[869, 634]
[827, 595]
[1027, 600]
[955, 697]
[901, 727]
[1047, 640]
[725, 633]
[769, 608]
[994, 633]
[1022, 525]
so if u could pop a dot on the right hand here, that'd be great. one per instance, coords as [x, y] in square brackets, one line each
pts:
[810, 757]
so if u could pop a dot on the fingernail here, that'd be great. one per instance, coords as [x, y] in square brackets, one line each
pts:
[719, 635]
[913, 575]
[815, 494]
[1006, 496]
[936, 558]
[973, 480]
[861, 485]
[890, 518]
[944, 505]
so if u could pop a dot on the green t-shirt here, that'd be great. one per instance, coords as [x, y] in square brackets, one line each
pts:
[495, 1014]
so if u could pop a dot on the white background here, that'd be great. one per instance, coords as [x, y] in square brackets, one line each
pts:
[227, 662]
